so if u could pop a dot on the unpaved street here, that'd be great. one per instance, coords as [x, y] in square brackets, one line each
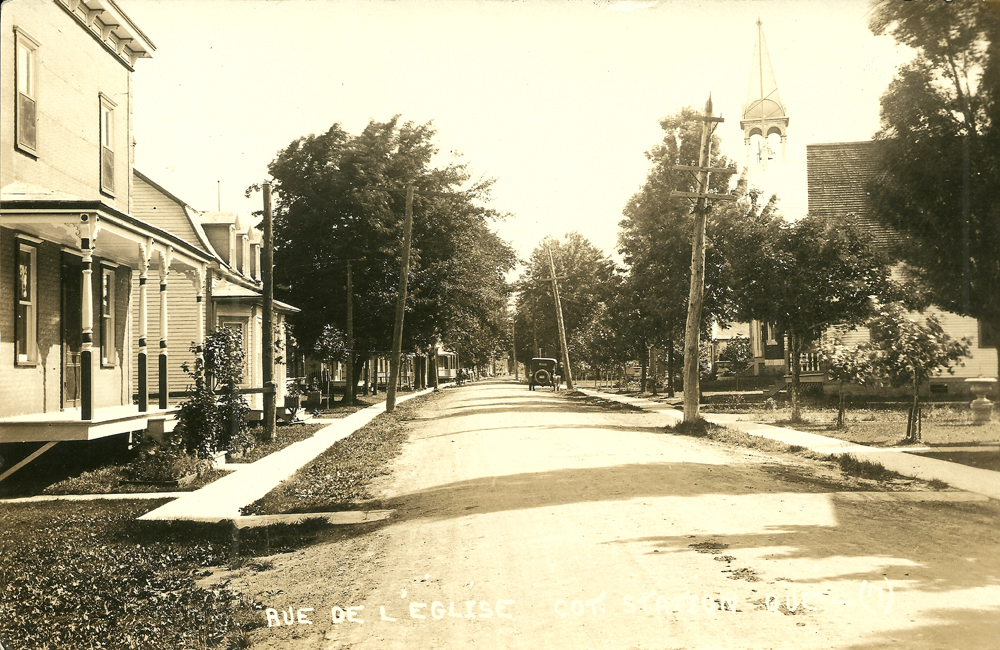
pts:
[541, 520]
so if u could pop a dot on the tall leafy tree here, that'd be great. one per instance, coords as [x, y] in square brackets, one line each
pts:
[807, 277]
[656, 235]
[909, 351]
[940, 150]
[587, 279]
[339, 199]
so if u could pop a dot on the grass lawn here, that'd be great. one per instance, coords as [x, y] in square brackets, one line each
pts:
[339, 478]
[284, 436]
[946, 429]
[338, 409]
[85, 575]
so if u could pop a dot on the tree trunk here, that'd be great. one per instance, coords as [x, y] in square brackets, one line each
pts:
[642, 375]
[913, 422]
[670, 368]
[840, 408]
[795, 350]
[358, 369]
[653, 367]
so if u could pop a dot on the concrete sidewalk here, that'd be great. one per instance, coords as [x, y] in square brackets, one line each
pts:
[963, 477]
[222, 500]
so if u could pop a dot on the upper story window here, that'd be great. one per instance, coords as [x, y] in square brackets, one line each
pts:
[26, 120]
[107, 145]
[108, 352]
[26, 329]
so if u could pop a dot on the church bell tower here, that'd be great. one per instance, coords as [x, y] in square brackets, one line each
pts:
[763, 114]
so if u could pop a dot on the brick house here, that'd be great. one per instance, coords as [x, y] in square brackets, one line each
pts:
[74, 258]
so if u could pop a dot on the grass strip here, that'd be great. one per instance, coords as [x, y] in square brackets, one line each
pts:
[849, 465]
[285, 436]
[340, 477]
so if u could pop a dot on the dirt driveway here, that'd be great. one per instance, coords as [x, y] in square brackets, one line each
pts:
[538, 520]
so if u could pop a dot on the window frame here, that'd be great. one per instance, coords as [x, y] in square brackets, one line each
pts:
[109, 279]
[27, 248]
[27, 77]
[243, 323]
[106, 142]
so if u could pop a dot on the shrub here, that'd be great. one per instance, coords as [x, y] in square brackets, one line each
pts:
[164, 463]
[214, 416]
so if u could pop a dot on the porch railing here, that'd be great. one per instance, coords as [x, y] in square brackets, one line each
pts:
[809, 362]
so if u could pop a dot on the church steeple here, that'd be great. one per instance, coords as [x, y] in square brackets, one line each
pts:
[763, 114]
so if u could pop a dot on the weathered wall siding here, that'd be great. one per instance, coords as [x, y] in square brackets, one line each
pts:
[981, 361]
[154, 207]
[72, 70]
[9, 381]
[182, 329]
[31, 389]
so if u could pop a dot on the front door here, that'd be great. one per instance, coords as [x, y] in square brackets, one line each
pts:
[72, 328]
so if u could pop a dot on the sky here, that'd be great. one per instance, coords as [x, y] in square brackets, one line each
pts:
[558, 101]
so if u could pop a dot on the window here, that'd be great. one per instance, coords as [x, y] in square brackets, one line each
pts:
[26, 121]
[239, 326]
[108, 353]
[107, 145]
[989, 337]
[26, 328]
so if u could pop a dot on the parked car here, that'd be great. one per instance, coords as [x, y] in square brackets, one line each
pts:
[543, 372]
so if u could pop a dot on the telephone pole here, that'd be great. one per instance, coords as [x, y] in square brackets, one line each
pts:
[692, 332]
[349, 385]
[559, 321]
[397, 329]
[267, 275]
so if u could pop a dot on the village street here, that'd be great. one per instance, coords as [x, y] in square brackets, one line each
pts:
[545, 520]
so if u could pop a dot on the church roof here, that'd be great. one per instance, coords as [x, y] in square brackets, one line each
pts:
[763, 101]
[838, 176]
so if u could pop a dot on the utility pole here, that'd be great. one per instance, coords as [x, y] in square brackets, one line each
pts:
[559, 321]
[692, 333]
[349, 385]
[267, 338]
[397, 328]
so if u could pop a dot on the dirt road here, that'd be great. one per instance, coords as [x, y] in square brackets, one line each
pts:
[538, 520]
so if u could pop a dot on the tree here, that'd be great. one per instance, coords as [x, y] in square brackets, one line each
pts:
[214, 416]
[339, 198]
[939, 151]
[846, 365]
[909, 352]
[587, 279]
[655, 237]
[807, 277]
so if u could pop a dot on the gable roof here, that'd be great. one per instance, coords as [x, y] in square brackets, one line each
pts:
[837, 176]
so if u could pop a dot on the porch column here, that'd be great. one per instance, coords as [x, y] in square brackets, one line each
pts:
[165, 258]
[88, 235]
[200, 288]
[145, 252]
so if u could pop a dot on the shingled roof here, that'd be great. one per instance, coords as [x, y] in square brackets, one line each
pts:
[837, 175]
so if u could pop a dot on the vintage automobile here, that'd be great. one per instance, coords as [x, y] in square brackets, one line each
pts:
[543, 372]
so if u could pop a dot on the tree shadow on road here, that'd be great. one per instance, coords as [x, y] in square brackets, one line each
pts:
[582, 485]
[930, 546]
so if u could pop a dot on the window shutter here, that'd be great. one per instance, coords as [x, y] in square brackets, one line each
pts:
[26, 121]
